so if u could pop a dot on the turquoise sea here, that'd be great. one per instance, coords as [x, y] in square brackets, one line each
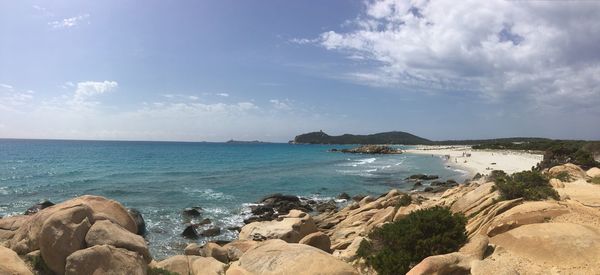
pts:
[162, 178]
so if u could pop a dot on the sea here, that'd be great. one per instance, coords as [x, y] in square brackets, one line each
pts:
[160, 179]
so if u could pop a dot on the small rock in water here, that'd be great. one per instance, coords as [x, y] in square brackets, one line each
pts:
[417, 184]
[234, 228]
[190, 232]
[343, 196]
[139, 220]
[358, 197]
[211, 232]
[326, 206]
[38, 206]
[422, 177]
[205, 221]
[192, 211]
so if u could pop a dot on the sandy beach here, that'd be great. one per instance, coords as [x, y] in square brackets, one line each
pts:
[480, 161]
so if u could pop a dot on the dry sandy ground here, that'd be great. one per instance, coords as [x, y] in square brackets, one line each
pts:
[481, 161]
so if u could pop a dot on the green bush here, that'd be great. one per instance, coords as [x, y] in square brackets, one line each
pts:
[529, 185]
[396, 247]
[160, 271]
[563, 176]
[595, 180]
[405, 200]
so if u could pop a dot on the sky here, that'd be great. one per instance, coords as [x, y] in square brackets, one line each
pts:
[270, 70]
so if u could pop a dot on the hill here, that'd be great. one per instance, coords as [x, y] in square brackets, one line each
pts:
[396, 137]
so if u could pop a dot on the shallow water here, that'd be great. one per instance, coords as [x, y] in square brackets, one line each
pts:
[162, 178]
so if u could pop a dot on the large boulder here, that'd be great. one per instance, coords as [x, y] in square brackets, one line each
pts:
[526, 213]
[561, 244]
[290, 228]
[318, 240]
[192, 265]
[11, 264]
[453, 263]
[593, 172]
[279, 257]
[64, 233]
[476, 199]
[8, 227]
[25, 238]
[106, 232]
[237, 248]
[574, 171]
[105, 259]
[215, 251]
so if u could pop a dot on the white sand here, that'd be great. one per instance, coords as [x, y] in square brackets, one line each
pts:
[481, 161]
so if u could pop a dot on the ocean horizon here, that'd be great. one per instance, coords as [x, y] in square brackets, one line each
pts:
[160, 179]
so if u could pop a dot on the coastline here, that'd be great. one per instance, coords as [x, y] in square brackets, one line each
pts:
[480, 161]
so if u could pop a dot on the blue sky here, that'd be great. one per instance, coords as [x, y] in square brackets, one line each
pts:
[268, 70]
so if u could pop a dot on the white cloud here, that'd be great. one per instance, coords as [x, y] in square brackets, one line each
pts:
[10, 98]
[281, 104]
[532, 49]
[89, 89]
[68, 22]
[223, 94]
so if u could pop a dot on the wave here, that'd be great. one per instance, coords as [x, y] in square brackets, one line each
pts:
[210, 194]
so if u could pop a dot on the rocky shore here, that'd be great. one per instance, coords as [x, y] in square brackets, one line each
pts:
[96, 235]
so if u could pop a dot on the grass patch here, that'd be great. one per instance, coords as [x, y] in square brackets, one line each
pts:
[39, 265]
[529, 185]
[595, 180]
[396, 247]
[160, 271]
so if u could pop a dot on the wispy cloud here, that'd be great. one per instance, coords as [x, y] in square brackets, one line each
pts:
[11, 98]
[281, 104]
[223, 94]
[68, 22]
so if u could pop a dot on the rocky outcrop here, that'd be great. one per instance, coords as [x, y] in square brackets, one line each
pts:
[25, 238]
[106, 232]
[453, 263]
[372, 149]
[318, 240]
[270, 207]
[64, 233]
[290, 228]
[574, 171]
[11, 264]
[105, 259]
[192, 265]
[593, 172]
[279, 257]
[237, 248]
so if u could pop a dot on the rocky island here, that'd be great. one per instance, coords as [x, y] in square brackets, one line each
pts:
[370, 149]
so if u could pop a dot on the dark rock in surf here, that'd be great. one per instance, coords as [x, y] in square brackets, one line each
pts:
[211, 232]
[328, 206]
[358, 197]
[38, 206]
[343, 196]
[139, 221]
[192, 212]
[422, 177]
[190, 232]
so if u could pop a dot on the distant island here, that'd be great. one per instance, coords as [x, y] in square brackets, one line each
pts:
[398, 137]
[395, 137]
[245, 141]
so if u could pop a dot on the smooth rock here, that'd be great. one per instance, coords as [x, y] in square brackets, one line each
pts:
[207, 266]
[574, 171]
[106, 232]
[593, 172]
[237, 248]
[318, 240]
[216, 251]
[289, 229]
[556, 183]
[192, 249]
[11, 264]
[64, 233]
[279, 257]
[105, 259]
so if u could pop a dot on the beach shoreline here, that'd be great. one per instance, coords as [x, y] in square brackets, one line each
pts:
[480, 161]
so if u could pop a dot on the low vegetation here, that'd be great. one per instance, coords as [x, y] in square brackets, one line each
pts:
[396, 247]
[40, 266]
[529, 185]
[405, 200]
[594, 180]
[160, 271]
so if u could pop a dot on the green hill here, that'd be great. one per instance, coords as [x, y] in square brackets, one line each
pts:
[380, 138]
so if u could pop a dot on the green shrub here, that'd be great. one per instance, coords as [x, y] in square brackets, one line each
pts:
[563, 176]
[405, 200]
[40, 266]
[396, 247]
[529, 185]
[160, 271]
[595, 180]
